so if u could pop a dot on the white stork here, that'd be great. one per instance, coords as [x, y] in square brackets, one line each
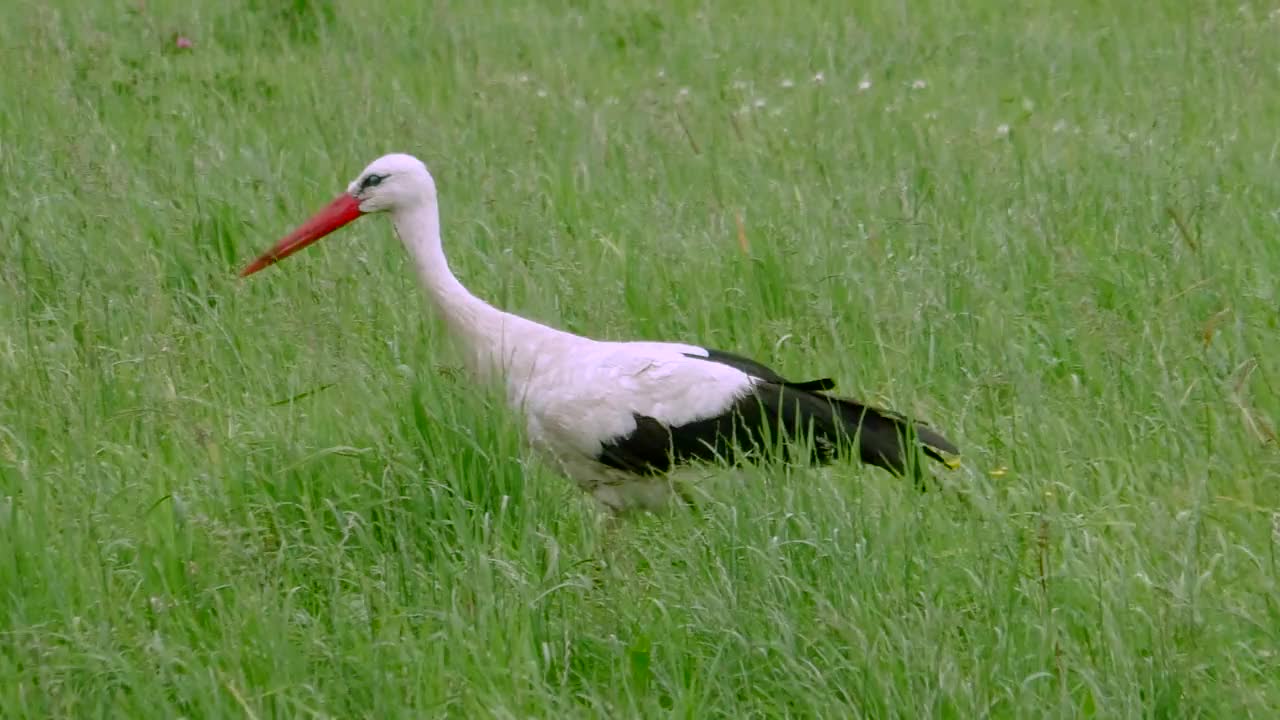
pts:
[617, 417]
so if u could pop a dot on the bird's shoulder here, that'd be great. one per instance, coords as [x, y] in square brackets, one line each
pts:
[657, 362]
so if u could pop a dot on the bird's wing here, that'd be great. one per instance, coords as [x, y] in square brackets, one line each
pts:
[642, 407]
[678, 389]
[602, 391]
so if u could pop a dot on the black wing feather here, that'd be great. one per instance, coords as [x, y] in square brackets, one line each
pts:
[750, 427]
[769, 419]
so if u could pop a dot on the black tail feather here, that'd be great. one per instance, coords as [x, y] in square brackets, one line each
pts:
[883, 437]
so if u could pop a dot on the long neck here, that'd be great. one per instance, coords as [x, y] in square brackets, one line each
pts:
[493, 339]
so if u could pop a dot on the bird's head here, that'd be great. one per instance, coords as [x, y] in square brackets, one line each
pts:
[392, 182]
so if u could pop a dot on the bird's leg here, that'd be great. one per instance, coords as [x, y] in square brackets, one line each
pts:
[611, 556]
[609, 524]
[685, 495]
[612, 522]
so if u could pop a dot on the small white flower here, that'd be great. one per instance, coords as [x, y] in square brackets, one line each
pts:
[759, 103]
[683, 92]
[919, 85]
[524, 77]
[788, 83]
[864, 85]
[819, 77]
[1002, 130]
[661, 74]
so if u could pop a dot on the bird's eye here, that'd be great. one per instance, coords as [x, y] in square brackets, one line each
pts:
[371, 180]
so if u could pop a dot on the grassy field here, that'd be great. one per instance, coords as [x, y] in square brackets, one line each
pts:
[1050, 229]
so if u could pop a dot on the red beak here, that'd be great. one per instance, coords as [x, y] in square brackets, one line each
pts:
[341, 211]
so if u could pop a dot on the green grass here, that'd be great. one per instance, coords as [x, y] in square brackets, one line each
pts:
[1088, 298]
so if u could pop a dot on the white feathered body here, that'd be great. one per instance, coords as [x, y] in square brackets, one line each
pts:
[577, 394]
